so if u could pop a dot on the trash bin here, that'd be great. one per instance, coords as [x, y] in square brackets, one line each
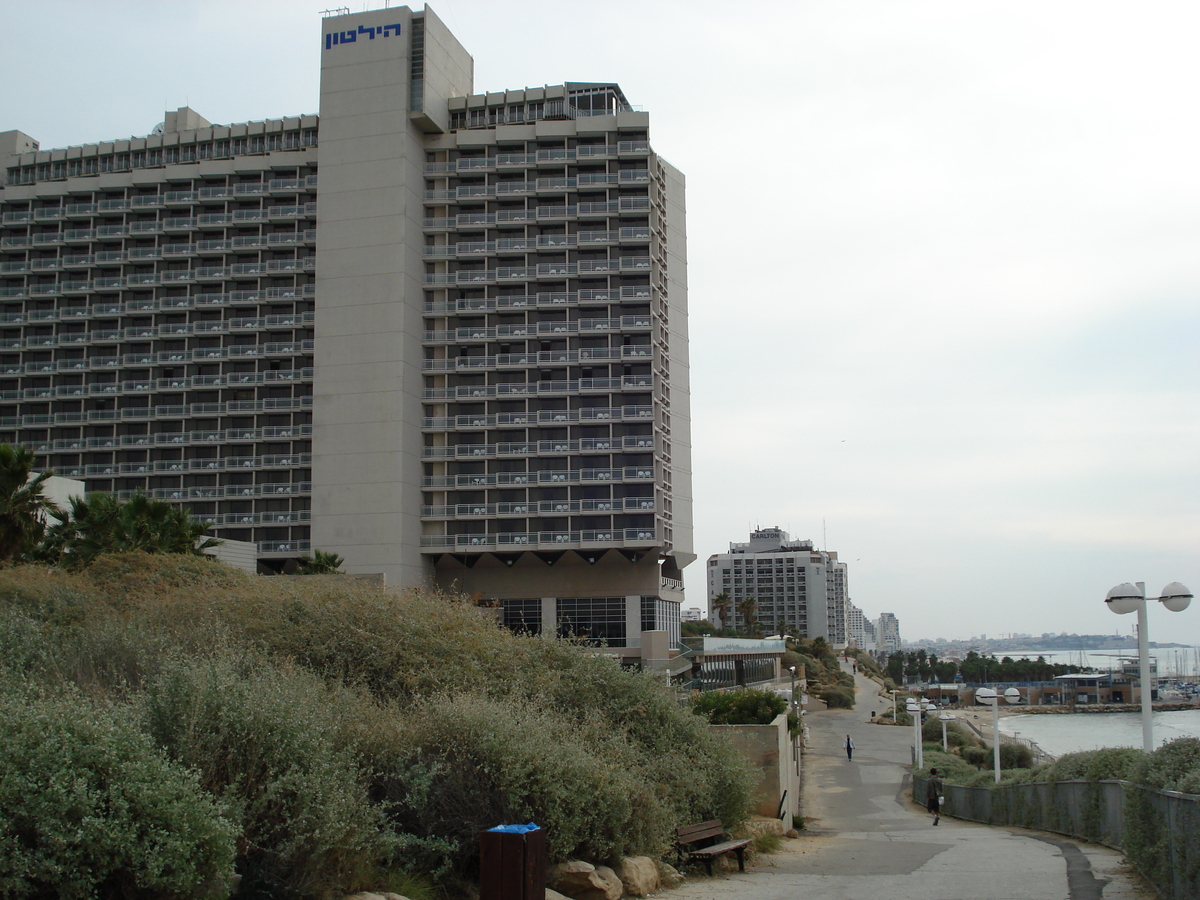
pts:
[512, 863]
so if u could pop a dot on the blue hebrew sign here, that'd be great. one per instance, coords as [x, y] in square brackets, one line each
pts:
[350, 37]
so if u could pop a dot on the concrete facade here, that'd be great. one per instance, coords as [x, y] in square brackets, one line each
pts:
[461, 361]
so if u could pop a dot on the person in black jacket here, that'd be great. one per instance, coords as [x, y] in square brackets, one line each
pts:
[933, 795]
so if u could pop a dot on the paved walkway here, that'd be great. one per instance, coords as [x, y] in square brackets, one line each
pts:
[866, 840]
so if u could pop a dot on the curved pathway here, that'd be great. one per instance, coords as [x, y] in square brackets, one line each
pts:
[865, 840]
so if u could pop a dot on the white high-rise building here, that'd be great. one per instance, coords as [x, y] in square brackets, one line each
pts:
[439, 332]
[796, 589]
[887, 633]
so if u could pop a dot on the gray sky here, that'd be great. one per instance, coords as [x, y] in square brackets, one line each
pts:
[945, 260]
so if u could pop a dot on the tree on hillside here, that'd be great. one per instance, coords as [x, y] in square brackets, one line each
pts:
[24, 507]
[747, 609]
[321, 563]
[721, 603]
[100, 523]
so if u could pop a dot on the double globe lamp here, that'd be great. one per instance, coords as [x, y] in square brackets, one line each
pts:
[1126, 598]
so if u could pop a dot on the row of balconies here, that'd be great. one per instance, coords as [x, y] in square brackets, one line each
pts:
[242, 491]
[540, 270]
[175, 438]
[473, 220]
[167, 466]
[534, 539]
[549, 476]
[158, 226]
[539, 358]
[491, 510]
[582, 385]
[540, 448]
[539, 242]
[556, 185]
[182, 276]
[150, 413]
[138, 255]
[151, 332]
[283, 547]
[506, 160]
[151, 385]
[541, 417]
[150, 304]
[541, 299]
[163, 357]
[289, 517]
[151, 201]
[492, 332]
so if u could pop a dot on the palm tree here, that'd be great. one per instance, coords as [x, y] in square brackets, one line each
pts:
[321, 563]
[721, 603]
[746, 609]
[100, 523]
[24, 508]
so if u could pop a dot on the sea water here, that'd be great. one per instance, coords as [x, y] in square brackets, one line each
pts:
[1059, 733]
[1069, 732]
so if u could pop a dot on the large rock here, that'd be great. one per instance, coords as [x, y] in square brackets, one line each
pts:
[583, 881]
[670, 876]
[639, 875]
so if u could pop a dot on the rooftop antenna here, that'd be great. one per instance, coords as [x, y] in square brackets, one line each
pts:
[824, 538]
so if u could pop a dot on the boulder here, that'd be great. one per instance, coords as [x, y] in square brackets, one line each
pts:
[639, 875]
[582, 881]
[670, 876]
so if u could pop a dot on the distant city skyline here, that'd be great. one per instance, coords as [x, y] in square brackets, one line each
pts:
[943, 291]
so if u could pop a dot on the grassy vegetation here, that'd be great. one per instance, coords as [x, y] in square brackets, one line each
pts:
[318, 736]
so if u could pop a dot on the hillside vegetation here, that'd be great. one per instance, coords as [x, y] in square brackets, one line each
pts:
[167, 720]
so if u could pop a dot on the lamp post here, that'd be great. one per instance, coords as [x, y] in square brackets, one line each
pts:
[792, 669]
[894, 693]
[1126, 598]
[945, 717]
[992, 699]
[914, 707]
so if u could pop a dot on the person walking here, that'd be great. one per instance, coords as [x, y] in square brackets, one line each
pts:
[849, 747]
[933, 795]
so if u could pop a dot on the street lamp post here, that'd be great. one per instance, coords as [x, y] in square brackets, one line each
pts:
[1126, 598]
[914, 707]
[945, 717]
[992, 699]
[792, 669]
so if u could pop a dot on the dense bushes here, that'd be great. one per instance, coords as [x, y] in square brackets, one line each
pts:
[340, 735]
[92, 808]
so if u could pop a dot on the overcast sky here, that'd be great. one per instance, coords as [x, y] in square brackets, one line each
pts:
[944, 260]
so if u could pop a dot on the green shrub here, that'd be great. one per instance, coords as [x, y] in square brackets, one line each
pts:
[267, 741]
[91, 808]
[836, 696]
[951, 769]
[472, 762]
[1015, 756]
[742, 707]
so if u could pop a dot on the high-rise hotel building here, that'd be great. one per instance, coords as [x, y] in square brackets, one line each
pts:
[440, 333]
[794, 587]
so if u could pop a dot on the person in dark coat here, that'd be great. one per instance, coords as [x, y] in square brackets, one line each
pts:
[933, 795]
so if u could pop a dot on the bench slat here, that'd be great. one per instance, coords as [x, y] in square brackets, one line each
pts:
[718, 849]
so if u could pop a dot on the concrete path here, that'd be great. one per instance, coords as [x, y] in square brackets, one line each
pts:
[865, 840]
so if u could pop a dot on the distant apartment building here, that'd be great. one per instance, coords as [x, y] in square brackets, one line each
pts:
[796, 588]
[441, 333]
[887, 633]
[855, 631]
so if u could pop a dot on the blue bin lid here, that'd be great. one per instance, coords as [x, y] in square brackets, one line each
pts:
[516, 829]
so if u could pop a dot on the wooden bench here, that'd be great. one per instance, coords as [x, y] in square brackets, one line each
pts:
[709, 841]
